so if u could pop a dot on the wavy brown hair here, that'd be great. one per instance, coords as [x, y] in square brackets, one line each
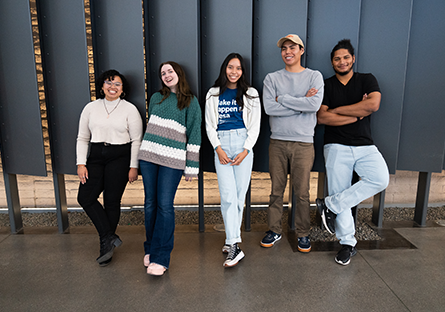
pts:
[184, 94]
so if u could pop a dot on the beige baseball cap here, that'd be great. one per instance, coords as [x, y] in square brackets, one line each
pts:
[291, 37]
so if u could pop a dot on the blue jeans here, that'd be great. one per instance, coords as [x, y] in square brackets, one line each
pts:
[160, 185]
[341, 162]
[233, 182]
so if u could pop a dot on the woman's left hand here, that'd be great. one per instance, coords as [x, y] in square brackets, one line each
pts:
[132, 175]
[239, 158]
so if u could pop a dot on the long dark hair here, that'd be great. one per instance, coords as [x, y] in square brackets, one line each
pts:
[241, 85]
[184, 94]
[109, 75]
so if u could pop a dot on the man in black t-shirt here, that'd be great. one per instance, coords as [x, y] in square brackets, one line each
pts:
[349, 100]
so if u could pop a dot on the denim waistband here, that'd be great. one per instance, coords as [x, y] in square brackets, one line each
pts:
[233, 131]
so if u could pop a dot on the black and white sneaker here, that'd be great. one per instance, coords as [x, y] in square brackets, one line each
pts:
[344, 255]
[226, 248]
[234, 256]
[327, 216]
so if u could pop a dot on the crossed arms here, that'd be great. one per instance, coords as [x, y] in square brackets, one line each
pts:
[287, 105]
[344, 115]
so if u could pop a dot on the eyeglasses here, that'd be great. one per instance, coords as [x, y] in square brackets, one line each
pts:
[110, 83]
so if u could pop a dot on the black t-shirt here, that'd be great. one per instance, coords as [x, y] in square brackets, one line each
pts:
[336, 94]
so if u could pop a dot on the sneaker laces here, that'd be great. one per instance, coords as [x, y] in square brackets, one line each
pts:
[232, 251]
[270, 234]
[346, 248]
[304, 239]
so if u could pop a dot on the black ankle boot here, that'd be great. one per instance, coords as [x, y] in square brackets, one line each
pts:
[105, 263]
[106, 249]
[116, 240]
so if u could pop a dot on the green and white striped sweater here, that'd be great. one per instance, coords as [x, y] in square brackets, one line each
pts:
[173, 136]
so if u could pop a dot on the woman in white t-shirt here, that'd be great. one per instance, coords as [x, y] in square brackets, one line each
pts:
[110, 132]
[232, 116]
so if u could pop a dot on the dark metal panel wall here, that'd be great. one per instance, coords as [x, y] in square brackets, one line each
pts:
[271, 22]
[224, 30]
[119, 43]
[329, 22]
[172, 32]
[65, 58]
[20, 120]
[388, 67]
[422, 137]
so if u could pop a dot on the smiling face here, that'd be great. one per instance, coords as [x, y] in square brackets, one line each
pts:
[291, 53]
[342, 62]
[113, 88]
[169, 77]
[234, 72]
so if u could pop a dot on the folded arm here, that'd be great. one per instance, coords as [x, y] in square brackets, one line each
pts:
[326, 117]
[348, 114]
[369, 104]
[310, 103]
[271, 106]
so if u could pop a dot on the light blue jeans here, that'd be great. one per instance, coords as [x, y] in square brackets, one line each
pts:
[341, 162]
[233, 182]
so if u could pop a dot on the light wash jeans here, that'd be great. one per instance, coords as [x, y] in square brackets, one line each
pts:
[341, 162]
[233, 182]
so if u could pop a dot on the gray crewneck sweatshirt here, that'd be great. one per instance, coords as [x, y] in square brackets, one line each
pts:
[293, 116]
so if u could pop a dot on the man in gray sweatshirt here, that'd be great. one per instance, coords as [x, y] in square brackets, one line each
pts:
[291, 97]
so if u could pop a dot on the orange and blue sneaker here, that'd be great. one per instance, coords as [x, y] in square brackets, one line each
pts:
[304, 244]
[270, 239]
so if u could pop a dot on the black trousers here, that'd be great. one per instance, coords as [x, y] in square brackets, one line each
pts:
[108, 167]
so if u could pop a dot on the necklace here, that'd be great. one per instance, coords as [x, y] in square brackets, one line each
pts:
[108, 113]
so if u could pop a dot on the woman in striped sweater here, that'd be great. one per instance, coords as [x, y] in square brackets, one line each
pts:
[169, 149]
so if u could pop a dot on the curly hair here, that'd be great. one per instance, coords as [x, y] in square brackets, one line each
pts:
[109, 75]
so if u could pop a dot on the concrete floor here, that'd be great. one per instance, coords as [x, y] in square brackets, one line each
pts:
[45, 271]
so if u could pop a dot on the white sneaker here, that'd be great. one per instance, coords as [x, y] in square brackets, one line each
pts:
[235, 255]
[226, 248]
[156, 269]
[146, 260]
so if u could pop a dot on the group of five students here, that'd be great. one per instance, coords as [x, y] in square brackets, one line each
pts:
[110, 138]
